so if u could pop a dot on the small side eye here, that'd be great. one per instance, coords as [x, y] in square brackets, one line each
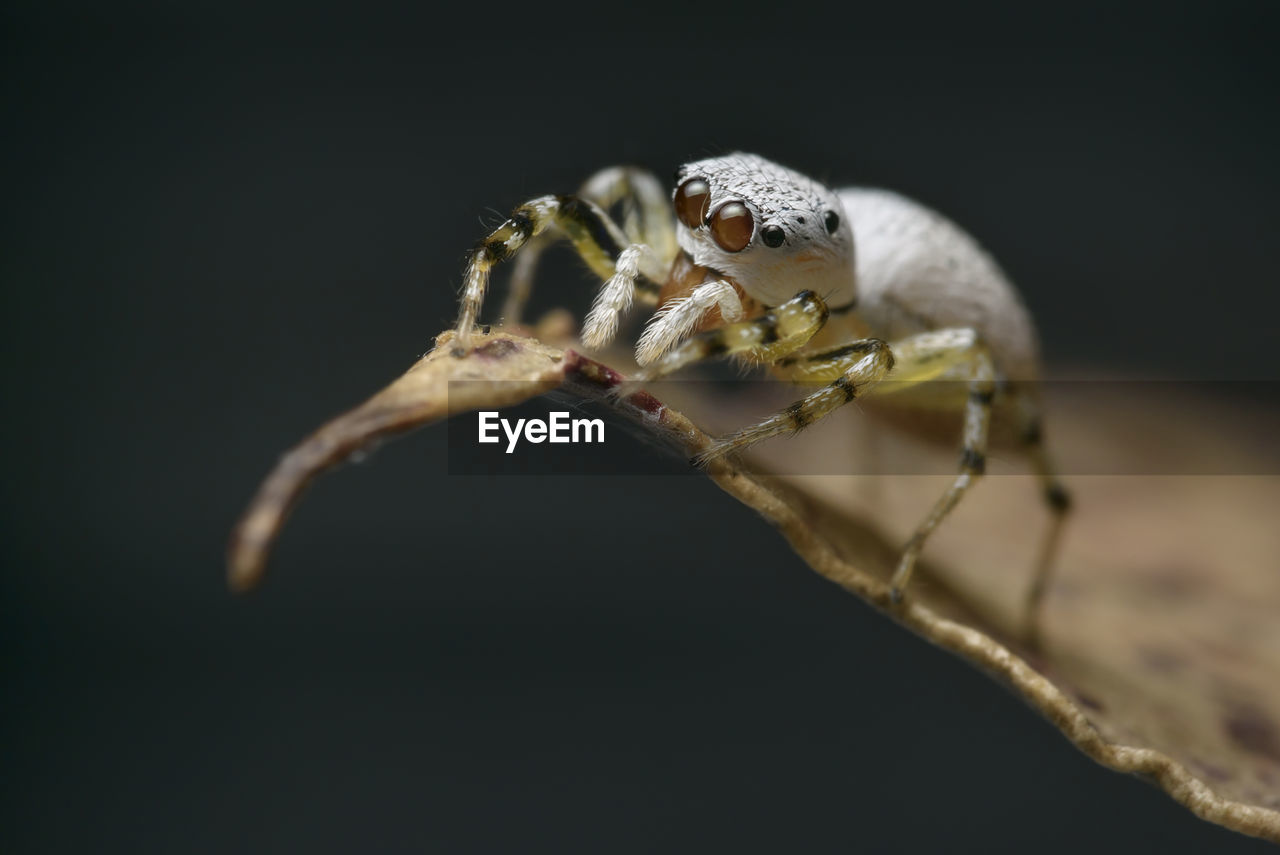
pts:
[732, 226]
[693, 197]
[832, 221]
[772, 236]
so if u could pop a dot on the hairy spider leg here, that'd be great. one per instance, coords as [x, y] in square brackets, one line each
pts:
[853, 369]
[646, 205]
[924, 357]
[597, 239]
[764, 339]
[680, 316]
[1056, 498]
[646, 221]
[848, 370]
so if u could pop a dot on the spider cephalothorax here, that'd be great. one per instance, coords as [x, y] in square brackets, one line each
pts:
[766, 228]
[751, 260]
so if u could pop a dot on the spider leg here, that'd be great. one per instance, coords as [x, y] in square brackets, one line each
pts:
[927, 356]
[862, 369]
[1056, 498]
[672, 323]
[646, 205]
[847, 372]
[646, 220]
[597, 239]
[766, 338]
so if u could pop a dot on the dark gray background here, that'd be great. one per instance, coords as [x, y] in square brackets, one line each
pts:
[222, 228]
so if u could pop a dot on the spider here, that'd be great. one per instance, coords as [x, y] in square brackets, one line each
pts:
[843, 289]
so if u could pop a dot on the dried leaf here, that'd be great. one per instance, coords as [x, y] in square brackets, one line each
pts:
[1159, 650]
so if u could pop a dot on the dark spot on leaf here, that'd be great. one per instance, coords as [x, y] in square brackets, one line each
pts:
[1213, 771]
[1249, 728]
[1161, 660]
[1089, 702]
[1174, 583]
[497, 349]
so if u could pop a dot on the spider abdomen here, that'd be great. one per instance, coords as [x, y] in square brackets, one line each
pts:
[917, 271]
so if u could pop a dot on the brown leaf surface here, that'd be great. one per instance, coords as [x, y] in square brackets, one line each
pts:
[1160, 641]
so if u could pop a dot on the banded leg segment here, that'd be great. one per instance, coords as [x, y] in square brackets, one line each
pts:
[1058, 501]
[977, 420]
[597, 239]
[646, 206]
[830, 364]
[930, 355]
[766, 338]
[848, 372]
[646, 220]
[856, 370]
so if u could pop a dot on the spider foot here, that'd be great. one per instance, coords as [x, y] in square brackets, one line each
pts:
[464, 339]
[902, 575]
[718, 449]
[622, 391]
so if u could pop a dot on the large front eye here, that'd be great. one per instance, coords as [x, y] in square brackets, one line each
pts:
[732, 226]
[693, 197]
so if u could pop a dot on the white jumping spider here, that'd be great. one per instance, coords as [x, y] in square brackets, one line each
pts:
[843, 289]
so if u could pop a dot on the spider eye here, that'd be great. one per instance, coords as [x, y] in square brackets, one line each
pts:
[693, 197]
[772, 235]
[832, 221]
[732, 226]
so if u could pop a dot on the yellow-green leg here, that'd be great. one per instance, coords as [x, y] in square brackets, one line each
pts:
[646, 205]
[645, 220]
[929, 356]
[764, 339]
[597, 239]
[855, 368]
[1058, 501]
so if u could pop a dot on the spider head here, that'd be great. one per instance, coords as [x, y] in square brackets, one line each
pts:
[771, 230]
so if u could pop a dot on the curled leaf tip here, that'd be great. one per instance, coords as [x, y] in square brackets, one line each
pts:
[1129, 653]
